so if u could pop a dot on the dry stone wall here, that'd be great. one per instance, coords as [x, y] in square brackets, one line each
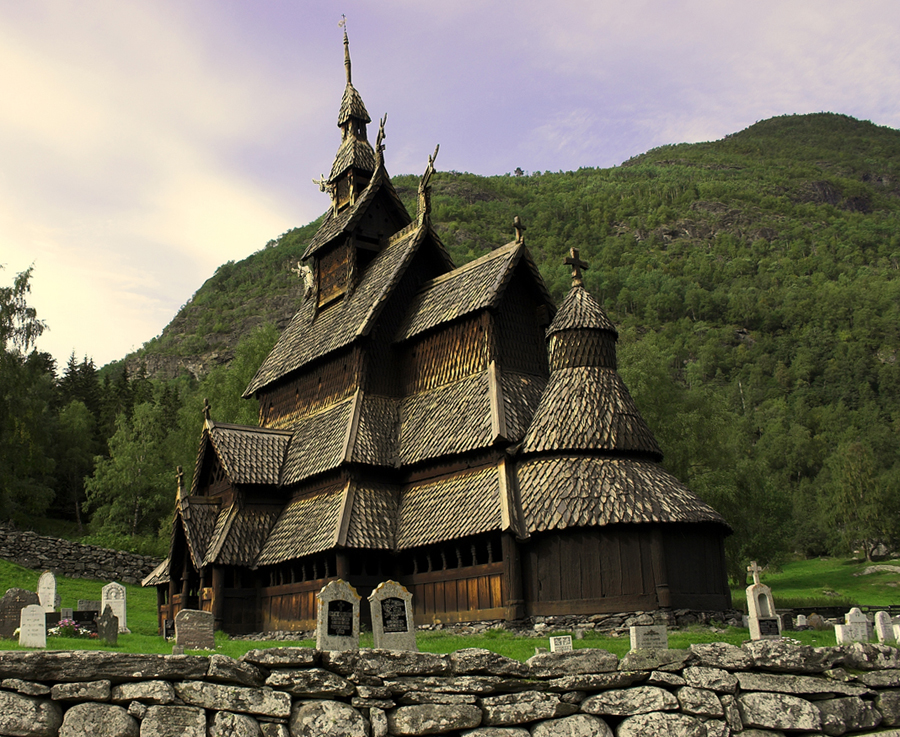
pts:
[768, 687]
[66, 558]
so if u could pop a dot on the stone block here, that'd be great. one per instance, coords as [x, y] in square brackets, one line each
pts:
[98, 720]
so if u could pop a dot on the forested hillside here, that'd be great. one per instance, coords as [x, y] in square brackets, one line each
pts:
[755, 284]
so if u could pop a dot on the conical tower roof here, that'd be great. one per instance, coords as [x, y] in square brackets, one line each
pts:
[355, 151]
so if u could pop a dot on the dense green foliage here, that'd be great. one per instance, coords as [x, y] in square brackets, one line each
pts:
[754, 281]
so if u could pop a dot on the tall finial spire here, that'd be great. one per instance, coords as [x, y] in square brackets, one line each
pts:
[343, 24]
[577, 265]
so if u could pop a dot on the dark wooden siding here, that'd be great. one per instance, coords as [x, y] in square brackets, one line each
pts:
[334, 266]
[695, 565]
[589, 571]
[520, 338]
[291, 606]
[460, 595]
[320, 386]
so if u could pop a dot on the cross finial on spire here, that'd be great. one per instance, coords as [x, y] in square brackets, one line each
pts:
[179, 479]
[207, 410]
[520, 229]
[754, 569]
[343, 24]
[577, 265]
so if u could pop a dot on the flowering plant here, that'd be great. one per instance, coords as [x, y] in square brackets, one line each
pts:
[68, 628]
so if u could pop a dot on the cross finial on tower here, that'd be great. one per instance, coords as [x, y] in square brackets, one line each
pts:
[754, 569]
[577, 265]
[520, 229]
[207, 410]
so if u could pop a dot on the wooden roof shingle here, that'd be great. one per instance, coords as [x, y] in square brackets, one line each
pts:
[240, 534]
[307, 525]
[198, 516]
[562, 492]
[588, 408]
[376, 436]
[453, 418]
[317, 443]
[580, 310]
[432, 512]
[373, 516]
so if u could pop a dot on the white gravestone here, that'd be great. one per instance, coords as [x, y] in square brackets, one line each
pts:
[337, 620]
[561, 644]
[113, 595]
[33, 626]
[801, 620]
[393, 626]
[855, 629]
[884, 628]
[46, 591]
[649, 637]
[763, 621]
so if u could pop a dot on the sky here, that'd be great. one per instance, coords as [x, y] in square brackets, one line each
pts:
[143, 143]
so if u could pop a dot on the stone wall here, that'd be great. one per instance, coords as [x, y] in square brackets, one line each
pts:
[66, 558]
[763, 688]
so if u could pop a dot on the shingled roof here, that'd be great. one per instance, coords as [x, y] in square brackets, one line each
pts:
[563, 492]
[432, 511]
[477, 285]
[579, 311]
[197, 515]
[240, 534]
[249, 455]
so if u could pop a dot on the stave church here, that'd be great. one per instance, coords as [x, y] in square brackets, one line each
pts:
[450, 428]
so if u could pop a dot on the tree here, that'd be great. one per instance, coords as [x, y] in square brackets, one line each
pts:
[75, 458]
[26, 396]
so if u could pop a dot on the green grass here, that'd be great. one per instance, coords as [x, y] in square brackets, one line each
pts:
[828, 582]
[801, 581]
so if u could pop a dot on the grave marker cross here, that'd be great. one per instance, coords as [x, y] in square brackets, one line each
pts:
[755, 570]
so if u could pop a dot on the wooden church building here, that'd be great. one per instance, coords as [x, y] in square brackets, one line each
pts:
[447, 427]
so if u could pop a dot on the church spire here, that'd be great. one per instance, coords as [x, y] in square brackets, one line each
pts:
[354, 162]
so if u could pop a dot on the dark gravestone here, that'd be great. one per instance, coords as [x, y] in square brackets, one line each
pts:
[169, 628]
[67, 613]
[194, 629]
[92, 605]
[108, 627]
[11, 606]
[86, 620]
[340, 618]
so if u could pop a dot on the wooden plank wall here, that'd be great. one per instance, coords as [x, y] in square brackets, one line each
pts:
[589, 571]
[455, 351]
[695, 564]
[291, 606]
[459, 595]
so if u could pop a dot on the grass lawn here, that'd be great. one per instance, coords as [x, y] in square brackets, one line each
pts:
[819, 582]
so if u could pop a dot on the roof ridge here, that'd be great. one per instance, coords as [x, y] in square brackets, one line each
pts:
[465, 268]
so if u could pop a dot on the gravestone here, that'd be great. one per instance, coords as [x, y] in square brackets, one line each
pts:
[32, 626]
[561, 644]
[108, 627]
[86, 620]
[46, 591]
[113, 595]
[856, 628]
[393, 627]
[169, 629]
[817, 621]
[11, 606]
[194, 630]
[763, 621]
[337, 618]
[787, 621]
[89, 605]
[801, 620]
[649, 637]
[884, 628]
[67, 613]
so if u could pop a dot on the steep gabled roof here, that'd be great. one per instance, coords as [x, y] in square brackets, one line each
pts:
[319, 442]
[347, 219]
[589, 409]
[562, 492]
[477, 285]
[311, 335]
[249, 455]
[240, 534]
[197, 516]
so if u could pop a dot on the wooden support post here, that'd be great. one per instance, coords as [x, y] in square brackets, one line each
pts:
[660, 573]
[512, 565]
[342, 565]
[218, 597]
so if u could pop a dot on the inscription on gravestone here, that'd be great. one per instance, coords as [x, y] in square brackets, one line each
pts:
[649, 637]
[561, 644]
[393, 614]
[768, 627]
[340, 618]
[194, 629]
